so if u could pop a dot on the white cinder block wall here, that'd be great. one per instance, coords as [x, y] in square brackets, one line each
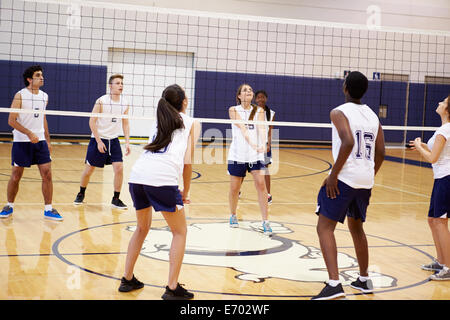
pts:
[56, 32]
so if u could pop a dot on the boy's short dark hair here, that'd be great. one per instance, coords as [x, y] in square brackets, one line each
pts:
[28, 73]
[356, 84]
[114, 76]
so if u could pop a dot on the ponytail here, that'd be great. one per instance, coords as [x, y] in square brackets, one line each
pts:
[254, 109]
[168, 118]
[448, 106]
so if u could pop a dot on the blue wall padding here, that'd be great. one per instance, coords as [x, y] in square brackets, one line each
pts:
[423, 101]
[393, 94]
[293, 99]
[70, 87]
[296, 99]
[415, 109]
[73, 87]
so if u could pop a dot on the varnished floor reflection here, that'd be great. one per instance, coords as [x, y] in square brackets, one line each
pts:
[83, 256]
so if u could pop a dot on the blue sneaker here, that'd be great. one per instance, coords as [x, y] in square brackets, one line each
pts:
[234, 221]
[266, 228]
[52, 215]
[6, 212]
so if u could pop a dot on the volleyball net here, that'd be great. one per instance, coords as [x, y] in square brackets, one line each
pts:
[300, 64]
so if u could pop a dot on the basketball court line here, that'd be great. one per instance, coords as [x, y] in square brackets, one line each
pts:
[404, 191]
[212, 203]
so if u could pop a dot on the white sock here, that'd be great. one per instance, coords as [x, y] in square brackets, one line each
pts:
[11, 204]
[48, 207]
[333, 283]
[363, 279]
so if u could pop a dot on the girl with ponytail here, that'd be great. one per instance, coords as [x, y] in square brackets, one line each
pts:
[168, 117]
[154, 184]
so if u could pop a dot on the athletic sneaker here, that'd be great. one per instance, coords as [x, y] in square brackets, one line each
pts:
[434, 266]
[330, 292]
[129, 285]
[52, 215]
[364, 286]
[79, 199]
[234, 221]
[269, 198]
[118, 204]
[6, 212]
[266, 228]
[444, 274]
[179, 293]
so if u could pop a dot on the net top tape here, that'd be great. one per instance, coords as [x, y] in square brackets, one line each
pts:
[201, 120]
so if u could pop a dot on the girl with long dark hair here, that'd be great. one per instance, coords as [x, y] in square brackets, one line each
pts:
[154, 184]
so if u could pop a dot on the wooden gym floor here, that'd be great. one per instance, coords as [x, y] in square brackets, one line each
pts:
[83, 257]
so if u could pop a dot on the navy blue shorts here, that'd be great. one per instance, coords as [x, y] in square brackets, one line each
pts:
[440, 198]
[97, 159]
[165, 198]
[350, 202]
[25, 154]
[268, 158]
[239, 169]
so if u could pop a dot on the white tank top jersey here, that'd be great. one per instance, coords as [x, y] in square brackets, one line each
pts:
[359, 170]
[240, 150]
[33, 122]
[441, 168]
[164, 167]
[111, 128]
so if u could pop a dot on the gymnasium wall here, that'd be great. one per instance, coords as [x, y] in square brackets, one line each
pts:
[296, 61]
[421, 14]
[49, 32]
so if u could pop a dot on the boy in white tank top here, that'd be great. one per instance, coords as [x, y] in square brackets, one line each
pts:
[104, 146]
[358, 152]
[31, 142]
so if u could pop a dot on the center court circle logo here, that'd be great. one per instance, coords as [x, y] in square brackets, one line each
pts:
[253, 255]
[206, 247]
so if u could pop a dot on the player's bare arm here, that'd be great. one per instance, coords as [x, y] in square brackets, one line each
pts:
[345, 134]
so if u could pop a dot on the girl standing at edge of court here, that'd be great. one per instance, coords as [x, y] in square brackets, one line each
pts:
[437, 152]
